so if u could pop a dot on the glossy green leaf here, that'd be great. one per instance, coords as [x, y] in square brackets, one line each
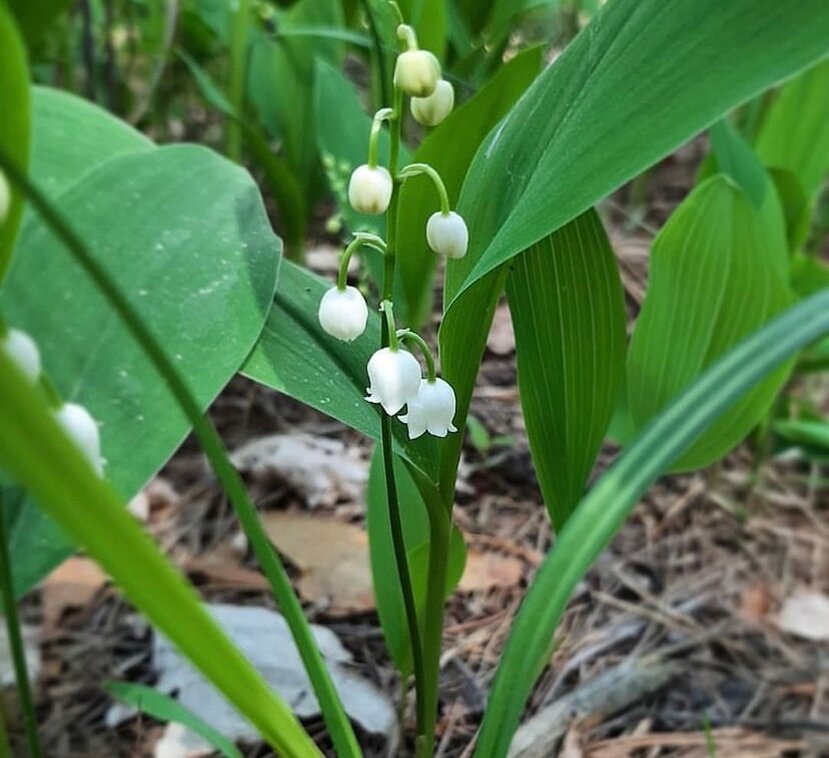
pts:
[168, 709]
[593, 127]
[14, 125]
[812, 435]
[506, 12]
[449, 149]
[296, 357]
[797, 208]
[390, 607]
[72, 137]
[568, 313]
[719, 270]
[38, 455]
[640, 79]
[198, 259]
[795, 133]
[603, 511]
[735, 158]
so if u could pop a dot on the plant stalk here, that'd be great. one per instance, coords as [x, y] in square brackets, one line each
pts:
[21, 670]
[334, 715]
[237, 77]
[395, 519]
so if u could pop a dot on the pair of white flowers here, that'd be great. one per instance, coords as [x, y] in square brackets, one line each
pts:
[75, 420]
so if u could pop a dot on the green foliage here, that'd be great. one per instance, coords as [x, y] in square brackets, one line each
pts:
[795, 132]
[34, 19]
[603, 511]
[718, 271]
[568, 312]
[196, 257]
[165, 708]
[14, 124]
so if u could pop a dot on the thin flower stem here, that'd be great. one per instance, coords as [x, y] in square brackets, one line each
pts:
[395, 520]
[21, 670]
[407, 35]
[361, 239]
[374, 138]
[388, 311]
[408, 334]
[334, 715]
[418, 169]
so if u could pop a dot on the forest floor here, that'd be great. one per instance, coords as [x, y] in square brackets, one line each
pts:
[698, 632]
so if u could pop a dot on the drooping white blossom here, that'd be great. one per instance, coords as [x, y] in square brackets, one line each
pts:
[369, 190]
[21, 348]
[432, 110]
[417, 73]
[343, 313]
[394, 379]
[447, 234]
[433, 410]
[83, 429]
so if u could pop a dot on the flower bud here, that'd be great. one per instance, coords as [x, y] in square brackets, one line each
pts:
[394, 376]
[431, 110]
[369, 190]
[21, 348]
[433, 410]
[343, 313]
[447, 234]
[82, 428]
[5, 197]
[417, 73]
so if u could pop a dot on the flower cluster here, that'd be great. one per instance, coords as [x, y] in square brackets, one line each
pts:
[75, 420]
[396, 381]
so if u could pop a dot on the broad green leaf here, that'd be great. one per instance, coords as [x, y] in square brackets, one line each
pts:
[429, 19]
[196, 256]
[603, 511]
[38, 455]
[719, 270]
[594, 125]
[797, 208]
[809, 275]
[504, 15]
[415, 520]
[449, 149]
[813, 435]
[72, 137]
[795, 132]
[568, 312]
[168, 709]
[34, 19]
[14, 126]
[295, 357]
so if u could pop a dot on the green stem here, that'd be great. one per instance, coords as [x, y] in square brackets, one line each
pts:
[374, 138]
[21, 670]
[237, 75]
[395, 520]
[418, 169]
[408, 334]
[361, 239]
[334, 715]
[389, 327]
[379, 53]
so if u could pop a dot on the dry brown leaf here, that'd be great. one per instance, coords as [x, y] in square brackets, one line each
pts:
[501, 339]
[755, 602]
[806, 614]
[73, 584]
[486, 571]
[221, 566]
[332, 556]
[324, 471]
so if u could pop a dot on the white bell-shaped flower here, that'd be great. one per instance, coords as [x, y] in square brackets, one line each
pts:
[369, 190]
[343, 313]
[431, 110]
[447, 234]
[83, 429]
[21, 348]
[394, 378]
[5, 198]
[433, 410]
[417, 73]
